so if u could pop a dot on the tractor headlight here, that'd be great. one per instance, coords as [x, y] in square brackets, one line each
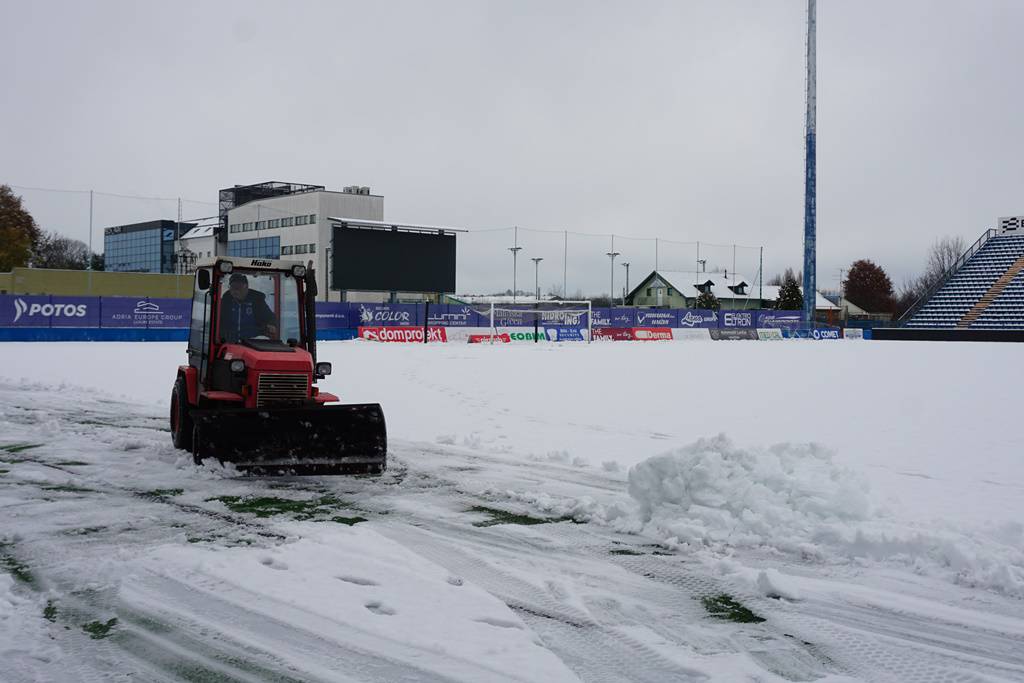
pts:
[237, 365]
[323, 369]
[299, 271]
[225, 267]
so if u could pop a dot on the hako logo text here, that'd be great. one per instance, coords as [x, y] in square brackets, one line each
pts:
[47, 310]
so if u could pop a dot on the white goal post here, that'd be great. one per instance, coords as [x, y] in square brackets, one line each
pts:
[567, 313]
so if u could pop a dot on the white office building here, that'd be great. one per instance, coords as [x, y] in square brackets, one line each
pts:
[295, 226]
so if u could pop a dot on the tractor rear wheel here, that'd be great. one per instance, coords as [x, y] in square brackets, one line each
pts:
[181, 420]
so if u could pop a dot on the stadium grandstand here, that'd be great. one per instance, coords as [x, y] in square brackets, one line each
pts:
[983, 290]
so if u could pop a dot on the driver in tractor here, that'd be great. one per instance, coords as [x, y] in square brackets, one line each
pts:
[244, 313]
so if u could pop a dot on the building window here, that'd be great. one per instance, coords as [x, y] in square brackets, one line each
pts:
[287, 222]
[312, 248]
[274, 223]
[234, 227]
[286, 251]
[262, 247]
[261, 225]
[246, 227]
[648, 291]
[300, 248]
[300, 220]
[312, 218]
[670, 292]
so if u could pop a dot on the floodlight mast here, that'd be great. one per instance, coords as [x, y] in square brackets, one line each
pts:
[810, 180]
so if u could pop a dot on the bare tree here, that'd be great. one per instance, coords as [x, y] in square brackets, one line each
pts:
[779, 280]
[56, 251]
[943, 254]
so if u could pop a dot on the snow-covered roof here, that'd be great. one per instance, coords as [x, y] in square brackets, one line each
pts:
[199, 231]
[685, 282]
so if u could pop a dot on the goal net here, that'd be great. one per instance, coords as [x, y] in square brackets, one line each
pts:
[541, 321]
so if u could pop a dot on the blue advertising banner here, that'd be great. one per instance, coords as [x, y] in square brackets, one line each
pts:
[333, 316]
[18, 310]
[456, 315]
[614, 317]
[779, 319]
[657, 317]
[817, 333]
[143, 313]
[733, 319]
[695, 318]
[562, 333]
[387, 315]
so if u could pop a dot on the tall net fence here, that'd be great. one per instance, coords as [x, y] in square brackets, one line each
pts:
[510, 260]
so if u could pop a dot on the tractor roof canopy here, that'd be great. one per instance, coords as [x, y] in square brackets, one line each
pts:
[246, 262]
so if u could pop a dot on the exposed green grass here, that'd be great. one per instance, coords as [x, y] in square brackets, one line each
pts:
[50, 611]
[68, 488]
[3, 471]
[269, 506]
[724, 606]
[98, 630]
[18, 569]
[163, 493]
[505, 517]
[348, 520]
[19, 447]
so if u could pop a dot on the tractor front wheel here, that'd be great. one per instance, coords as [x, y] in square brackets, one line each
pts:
[181, 420]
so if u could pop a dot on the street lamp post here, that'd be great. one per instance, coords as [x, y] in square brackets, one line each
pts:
[536, 274]
[626, 265]
[515, 254]
[701, 264]
[611, 292]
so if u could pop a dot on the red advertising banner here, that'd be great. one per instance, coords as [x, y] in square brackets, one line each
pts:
[402, 334]
[652, 333]
[613, 333]
[487, 338]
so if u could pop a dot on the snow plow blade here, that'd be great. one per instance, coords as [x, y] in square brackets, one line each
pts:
[336, 439]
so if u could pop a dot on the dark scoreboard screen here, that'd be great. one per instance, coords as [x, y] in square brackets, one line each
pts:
[388, 260]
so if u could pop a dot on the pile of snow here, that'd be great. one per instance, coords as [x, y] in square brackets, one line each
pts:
[715, 492]
[794, 499]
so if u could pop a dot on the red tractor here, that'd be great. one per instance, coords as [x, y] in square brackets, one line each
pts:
[248, 393]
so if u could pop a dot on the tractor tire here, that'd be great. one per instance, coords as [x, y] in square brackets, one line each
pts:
[182, 428]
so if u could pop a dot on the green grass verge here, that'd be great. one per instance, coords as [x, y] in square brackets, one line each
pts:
[505, 517]
[266, 506]
[724, 606]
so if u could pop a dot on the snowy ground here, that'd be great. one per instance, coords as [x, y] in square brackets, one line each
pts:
[854, 510]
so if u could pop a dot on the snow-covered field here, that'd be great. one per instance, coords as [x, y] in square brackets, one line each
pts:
[618, 511]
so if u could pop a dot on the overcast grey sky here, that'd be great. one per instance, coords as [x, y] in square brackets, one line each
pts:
[679, 120]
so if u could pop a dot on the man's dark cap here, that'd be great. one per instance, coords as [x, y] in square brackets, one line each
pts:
[238, 277]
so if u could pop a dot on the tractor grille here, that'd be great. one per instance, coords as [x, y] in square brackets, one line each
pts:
[276, 389]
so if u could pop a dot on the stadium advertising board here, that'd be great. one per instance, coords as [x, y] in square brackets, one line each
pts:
[389, 315]
[386, 260]
[697, 318]
[48, 311]
[614, 317]
[731, 319]
[691, 334]
[144, 313]
[769, 333]
[779, 319]
[452, 315]
[652, 333]
[402, 334]
[333, 316]
[818, 333]
[564, 333]
[853, 333]
[656, 317]
[613, 333]
[733, 333]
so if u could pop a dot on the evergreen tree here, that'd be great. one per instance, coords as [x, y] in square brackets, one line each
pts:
[790, 296]
[707, 301]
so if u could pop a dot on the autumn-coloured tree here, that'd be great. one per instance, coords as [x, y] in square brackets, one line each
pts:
[19, 234]
[869, 287]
